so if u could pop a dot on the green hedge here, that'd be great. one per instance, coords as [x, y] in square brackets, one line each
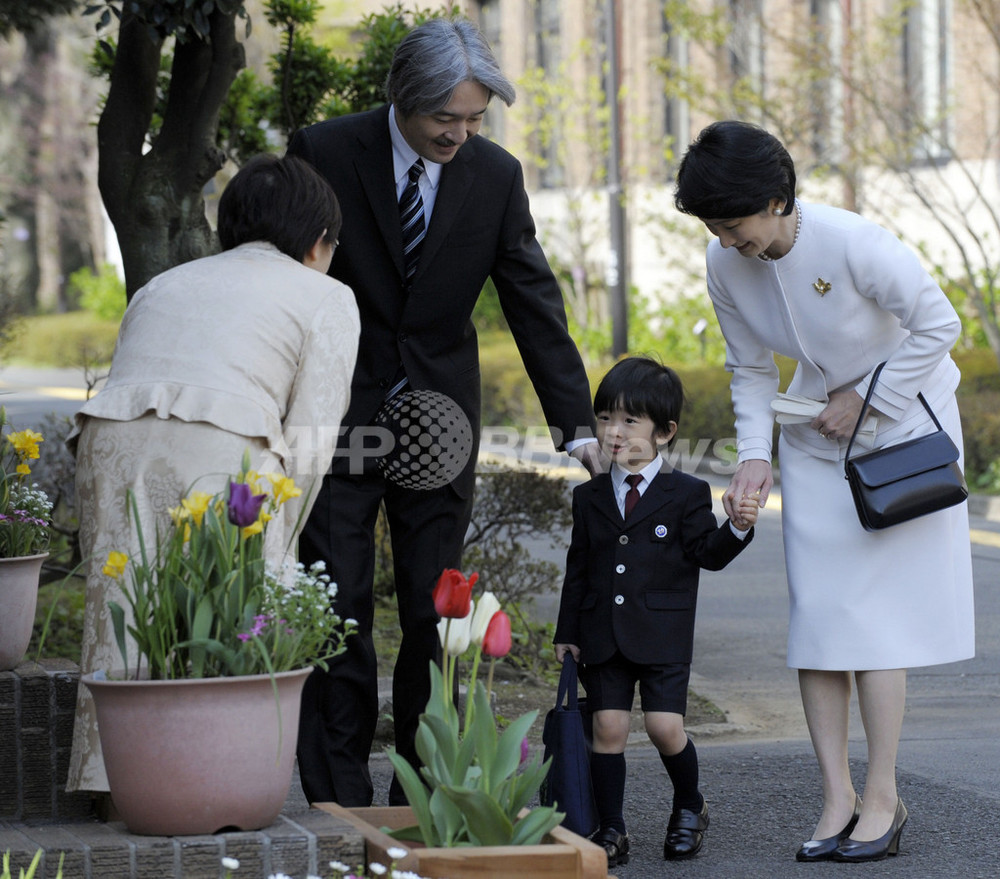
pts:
[73, 339]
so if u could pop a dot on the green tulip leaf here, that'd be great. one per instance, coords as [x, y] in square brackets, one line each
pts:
[508, 748]
[118, 623]
[531, 829]
[487, 823]
[416, 794]
[448, 820]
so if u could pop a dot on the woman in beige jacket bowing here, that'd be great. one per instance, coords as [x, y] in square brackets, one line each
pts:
[252, 348]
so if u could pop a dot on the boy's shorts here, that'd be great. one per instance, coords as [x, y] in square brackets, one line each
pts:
[611, 685]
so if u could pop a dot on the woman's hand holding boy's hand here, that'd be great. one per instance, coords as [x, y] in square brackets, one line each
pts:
[752, 479]
[746, 512]
[563, 649]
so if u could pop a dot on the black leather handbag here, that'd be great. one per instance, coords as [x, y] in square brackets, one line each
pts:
[901, 482]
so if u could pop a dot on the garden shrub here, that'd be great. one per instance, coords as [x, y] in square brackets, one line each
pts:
[102, 294]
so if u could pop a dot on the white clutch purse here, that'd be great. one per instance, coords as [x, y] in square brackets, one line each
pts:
[795, 409]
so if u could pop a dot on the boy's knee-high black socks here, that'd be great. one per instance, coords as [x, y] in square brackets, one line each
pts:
[607, 772]
[683, 771]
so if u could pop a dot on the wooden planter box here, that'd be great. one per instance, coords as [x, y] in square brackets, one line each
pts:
[564, 855]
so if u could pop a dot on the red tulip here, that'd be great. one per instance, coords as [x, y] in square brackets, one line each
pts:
[496, 641]
[452, 594]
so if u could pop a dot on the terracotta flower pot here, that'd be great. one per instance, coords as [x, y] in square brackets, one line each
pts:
[561, 855]
[198, 756]
[18, 600]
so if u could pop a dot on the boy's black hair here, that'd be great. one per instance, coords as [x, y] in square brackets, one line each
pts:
[641, 386]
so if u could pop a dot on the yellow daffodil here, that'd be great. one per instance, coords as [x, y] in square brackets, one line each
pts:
[197, 504]
[253, 479]
[25, 443]
[180, 516]
[22, 470]
[256, 528]
[283, 488]
[115, 565]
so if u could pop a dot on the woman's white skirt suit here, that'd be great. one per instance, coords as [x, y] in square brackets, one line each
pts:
[847, 296]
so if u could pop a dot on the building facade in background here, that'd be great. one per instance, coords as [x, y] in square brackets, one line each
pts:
[889, 107]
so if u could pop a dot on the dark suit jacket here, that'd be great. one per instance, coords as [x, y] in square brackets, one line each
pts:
[480, 227]
[634, 586]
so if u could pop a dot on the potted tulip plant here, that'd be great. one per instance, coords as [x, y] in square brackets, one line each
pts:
[25, 517]
[209, 703]
[470, 811]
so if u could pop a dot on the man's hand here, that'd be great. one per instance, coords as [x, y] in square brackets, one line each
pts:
[589, 454]
[563, 649]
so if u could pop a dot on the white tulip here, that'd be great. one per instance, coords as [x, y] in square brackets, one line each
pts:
[487, 606]
[457, 634]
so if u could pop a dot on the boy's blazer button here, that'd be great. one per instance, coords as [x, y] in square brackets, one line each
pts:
[619, 569]
[623, 540]
[619, 599]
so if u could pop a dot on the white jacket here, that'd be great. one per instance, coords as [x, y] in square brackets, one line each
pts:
[847, 296]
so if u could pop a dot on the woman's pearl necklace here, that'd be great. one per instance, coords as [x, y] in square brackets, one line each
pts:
[798, 228]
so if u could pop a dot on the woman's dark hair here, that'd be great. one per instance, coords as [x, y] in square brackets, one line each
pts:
[641, 386]
[734, 169]
[281, 200]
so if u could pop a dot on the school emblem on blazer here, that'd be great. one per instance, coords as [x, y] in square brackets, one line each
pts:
[659, 533]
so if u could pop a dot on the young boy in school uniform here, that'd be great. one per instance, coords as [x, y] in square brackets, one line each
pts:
[641, 535]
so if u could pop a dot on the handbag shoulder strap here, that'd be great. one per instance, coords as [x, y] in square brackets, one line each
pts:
[864, 410]
[567, 684]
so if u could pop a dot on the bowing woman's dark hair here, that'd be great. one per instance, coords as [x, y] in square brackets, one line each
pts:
[642, 386]
[733, 169]
[284, 201]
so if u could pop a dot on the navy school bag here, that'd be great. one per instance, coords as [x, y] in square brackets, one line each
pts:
[567, 739]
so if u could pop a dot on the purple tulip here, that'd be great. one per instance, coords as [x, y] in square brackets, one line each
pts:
[525, 751]
[244, 507]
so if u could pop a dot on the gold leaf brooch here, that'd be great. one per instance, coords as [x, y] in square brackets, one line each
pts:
[822, 287]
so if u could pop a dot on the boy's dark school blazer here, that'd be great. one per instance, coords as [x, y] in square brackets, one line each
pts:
[634, 586]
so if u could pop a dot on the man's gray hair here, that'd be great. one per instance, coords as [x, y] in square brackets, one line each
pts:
[434, 59]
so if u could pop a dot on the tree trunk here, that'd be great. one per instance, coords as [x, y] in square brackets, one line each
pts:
[155, 199]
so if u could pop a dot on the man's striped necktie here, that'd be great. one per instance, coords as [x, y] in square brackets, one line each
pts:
[411, 215]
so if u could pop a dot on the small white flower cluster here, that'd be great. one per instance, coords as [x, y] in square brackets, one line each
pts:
[290, 588]
[33, 500]
[375, 869]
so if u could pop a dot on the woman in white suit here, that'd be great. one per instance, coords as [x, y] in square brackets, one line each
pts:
[250, 349]
[838, 294]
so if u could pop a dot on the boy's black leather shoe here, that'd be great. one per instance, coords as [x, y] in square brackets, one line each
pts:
[615, 845]
[685, 833]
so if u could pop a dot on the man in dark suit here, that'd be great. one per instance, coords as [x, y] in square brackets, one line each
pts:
[431, 211]
[641, 535]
